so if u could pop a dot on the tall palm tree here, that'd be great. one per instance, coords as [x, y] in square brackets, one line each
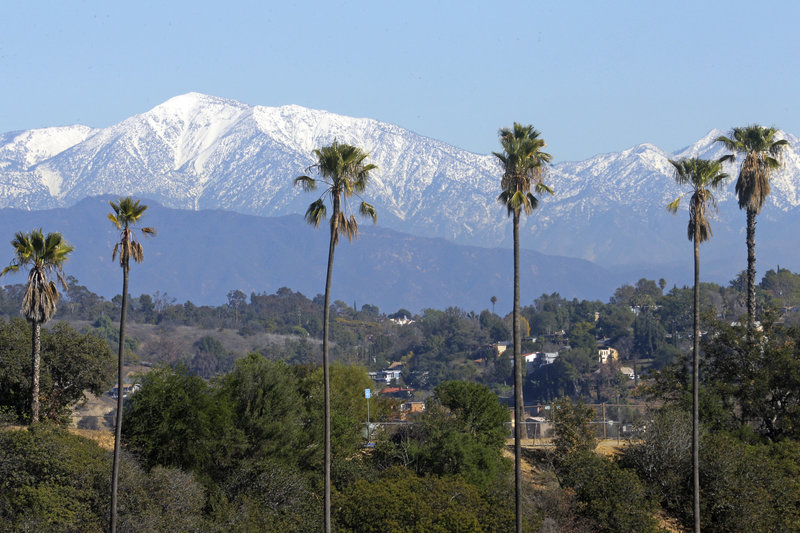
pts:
[343, 172]
[126, 215]
[701, 176]
[762, 155]
[524, 168]
[45, 255]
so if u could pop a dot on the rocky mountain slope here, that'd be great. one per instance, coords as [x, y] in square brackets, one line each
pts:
[202, 152]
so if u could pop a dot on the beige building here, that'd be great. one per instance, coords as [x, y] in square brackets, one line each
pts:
[606, 354]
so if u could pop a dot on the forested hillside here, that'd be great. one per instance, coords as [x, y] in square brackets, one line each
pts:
[238, 433]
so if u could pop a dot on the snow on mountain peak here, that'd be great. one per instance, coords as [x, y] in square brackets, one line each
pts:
[193, 104]
[199, 151]
[192, 123]
[30, 147]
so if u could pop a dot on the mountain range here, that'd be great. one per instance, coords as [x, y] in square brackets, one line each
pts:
[197, 152]
[199, 256]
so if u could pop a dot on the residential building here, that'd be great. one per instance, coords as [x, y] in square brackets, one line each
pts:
[386, 376]
[606, 354]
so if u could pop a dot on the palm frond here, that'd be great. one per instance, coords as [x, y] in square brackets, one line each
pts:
[352, 228]
[38, 242]
[729, 143]
[518, 200]
[777, 148]
[9, 268]
[137, 252]
[62, 280]
[729, 158]
[307, 183]
[672, 207]
[504, 198]
[368, 211]
[316, 213]
[531, 204]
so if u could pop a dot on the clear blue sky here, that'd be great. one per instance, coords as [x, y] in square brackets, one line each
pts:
[592, 76]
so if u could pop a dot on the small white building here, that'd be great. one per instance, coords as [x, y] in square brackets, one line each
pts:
[402, 321]
[385, 376]
[537, 359]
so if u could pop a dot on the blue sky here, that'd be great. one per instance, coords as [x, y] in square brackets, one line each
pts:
[592, 76]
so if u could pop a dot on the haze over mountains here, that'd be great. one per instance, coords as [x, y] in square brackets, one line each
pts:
[198, 152]
[201, 255]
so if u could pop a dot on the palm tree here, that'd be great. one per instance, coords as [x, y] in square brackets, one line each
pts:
[493, 299]
[524, 167]
[44, 254]
[762, 155]
[343, 173]
[126, 214]
[702, 176]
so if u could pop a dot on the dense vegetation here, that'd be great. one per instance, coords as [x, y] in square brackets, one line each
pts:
[228, 439]
[233, 440]
[648, 324]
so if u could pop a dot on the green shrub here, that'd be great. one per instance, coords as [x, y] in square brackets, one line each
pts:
[614, 498]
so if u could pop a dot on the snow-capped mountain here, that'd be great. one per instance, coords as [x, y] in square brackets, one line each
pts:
[197, 151]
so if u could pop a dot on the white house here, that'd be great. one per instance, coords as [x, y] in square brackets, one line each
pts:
[537, 359]
[402, 321]
[385, 376]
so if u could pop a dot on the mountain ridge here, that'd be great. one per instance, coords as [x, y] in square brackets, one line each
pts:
[196, 151]
[199, 256]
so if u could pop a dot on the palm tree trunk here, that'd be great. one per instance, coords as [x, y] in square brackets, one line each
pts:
[118, 426]
[518, 400]
[751, 268]
[326, 319]
[36, 352]
[696, 385]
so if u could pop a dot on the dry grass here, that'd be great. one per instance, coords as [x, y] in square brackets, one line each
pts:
[606, 447]
[105, 439]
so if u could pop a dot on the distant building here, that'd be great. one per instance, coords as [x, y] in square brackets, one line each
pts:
[127, 390]
[412, 407]
[537, 359]
[628, 371]
[606, 354]
[501, 347]
[397, 392]
[386, 376]
[402, 321]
